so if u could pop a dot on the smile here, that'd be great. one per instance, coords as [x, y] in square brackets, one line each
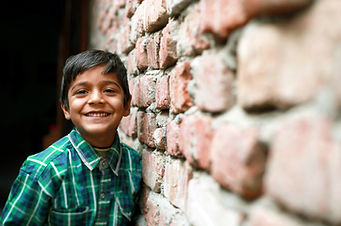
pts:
[96, 114]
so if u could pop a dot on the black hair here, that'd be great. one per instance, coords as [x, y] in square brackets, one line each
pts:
[86, 60]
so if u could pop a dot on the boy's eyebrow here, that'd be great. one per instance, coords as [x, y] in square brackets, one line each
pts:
[107, 82]
[78, 84]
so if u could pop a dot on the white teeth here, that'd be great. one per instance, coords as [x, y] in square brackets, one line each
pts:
[97, 114]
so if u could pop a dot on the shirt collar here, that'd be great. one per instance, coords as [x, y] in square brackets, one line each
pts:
[90, 157]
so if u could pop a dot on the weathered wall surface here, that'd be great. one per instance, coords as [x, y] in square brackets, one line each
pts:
[236, 107]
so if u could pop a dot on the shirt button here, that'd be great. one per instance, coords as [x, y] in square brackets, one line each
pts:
[102, 195]
[103, 164]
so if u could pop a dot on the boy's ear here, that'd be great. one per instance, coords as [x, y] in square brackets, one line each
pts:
[127, 107]
[65, 111]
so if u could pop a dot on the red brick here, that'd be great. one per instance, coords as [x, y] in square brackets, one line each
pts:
[213, 83]
[137, 30]
[141, 54]
[266, 216]
[128, 123]
[153, 46]
[177, 176]
[125, 45]
[135, 91]
[158, 211]
[238, 160]
[155, 15]
[269, 78]
[191, 40]
[152, 170]
[179, 79]
[173, 138]
[162, 97]
[220, 17]
[168, 55]
[257, 7]
[132, 66]
[146, 125]
[195, 139]
[304, 168]
[147, 90]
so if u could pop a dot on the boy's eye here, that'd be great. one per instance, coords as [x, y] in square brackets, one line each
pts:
[81, 92]
[110, 90]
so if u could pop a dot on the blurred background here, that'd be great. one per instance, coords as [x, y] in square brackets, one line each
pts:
[36, 39]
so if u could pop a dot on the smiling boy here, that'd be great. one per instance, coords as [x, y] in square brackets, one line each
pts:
[87, 177]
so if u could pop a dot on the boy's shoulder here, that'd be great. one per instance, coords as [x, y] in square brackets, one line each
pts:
[35, 164]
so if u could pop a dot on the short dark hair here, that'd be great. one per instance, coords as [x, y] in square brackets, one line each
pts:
[86, 60]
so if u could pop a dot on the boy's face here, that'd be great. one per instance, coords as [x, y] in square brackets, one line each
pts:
[96, 105]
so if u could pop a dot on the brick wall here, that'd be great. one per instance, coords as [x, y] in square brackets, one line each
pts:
[236, 107]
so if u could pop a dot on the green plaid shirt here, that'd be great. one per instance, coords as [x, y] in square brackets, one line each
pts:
[71, 184]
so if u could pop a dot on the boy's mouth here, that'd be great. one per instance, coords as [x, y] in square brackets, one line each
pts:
[97, 114]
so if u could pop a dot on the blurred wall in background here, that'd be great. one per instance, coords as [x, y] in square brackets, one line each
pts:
[236, 107]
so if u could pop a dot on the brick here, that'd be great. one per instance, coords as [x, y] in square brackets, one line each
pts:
[195, 138]
[132, 65]
[168, 43]
[125, 45]
[153, 46]
[135, 91]
[214, 80]
[191, 40]
[258, 7]
[136, 24]
[207, 204]
[141, 54]
[220, 17]
[173, 147]
[152, 170]
[238, 160]
[146, 125]
[177, 175]
[269, 216]
[305, 148]
[128, 123]
[179, 79]
[162, 97]
[155, 15]
[281, 67]
[158, 211]
[147, 90]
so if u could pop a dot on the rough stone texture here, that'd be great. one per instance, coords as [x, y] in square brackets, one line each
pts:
[315, 160]
[179, 79]
[177, 176]
[213, 83]
[238, 160]
[217, 86]
[287, 65]
[206, 205]
[195, 139]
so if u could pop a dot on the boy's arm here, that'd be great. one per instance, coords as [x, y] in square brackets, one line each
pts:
[27, 203]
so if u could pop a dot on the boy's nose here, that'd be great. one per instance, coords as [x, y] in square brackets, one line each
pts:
[96, 98]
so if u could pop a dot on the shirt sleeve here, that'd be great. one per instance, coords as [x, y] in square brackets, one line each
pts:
[27, 203]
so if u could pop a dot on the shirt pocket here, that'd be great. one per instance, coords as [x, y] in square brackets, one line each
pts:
[72, 216]
[125, 203]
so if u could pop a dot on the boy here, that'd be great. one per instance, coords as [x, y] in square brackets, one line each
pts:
[87, 177]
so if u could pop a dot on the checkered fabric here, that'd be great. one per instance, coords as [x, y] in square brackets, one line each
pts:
[71, 184]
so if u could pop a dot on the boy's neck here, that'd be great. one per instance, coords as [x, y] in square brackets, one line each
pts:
[99, 140]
